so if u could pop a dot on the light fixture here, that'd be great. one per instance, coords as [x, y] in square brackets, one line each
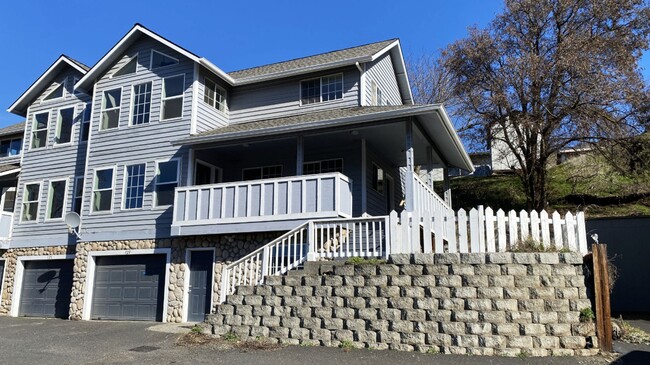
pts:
[354, 132]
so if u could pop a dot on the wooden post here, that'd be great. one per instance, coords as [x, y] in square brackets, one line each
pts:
[410, 169]
[430, 166]
[300, 155]
[601, 292]
[446, 186]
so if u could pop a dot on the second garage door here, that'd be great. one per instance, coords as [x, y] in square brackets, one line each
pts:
[129, 287]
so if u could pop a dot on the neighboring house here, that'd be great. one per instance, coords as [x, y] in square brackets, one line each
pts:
[177, 168]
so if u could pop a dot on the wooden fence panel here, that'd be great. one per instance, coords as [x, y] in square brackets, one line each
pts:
[501, 224]
[462, 231]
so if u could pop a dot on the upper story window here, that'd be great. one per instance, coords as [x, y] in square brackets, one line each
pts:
[56, 199]
[324, 166]
[128, 68]
[266, 172]
[377, 98]
[159, 59]
[111, 101]
[64, 126]
[324, 88]
[39, 130]
[56, 93]
[103, 190]
[166, 181]
[10, 147]
[85, 122]
[134, 186]
[172, 97]
[215, 96]
[31, 197]
[77, 198]
[141, 103]
[8, 199]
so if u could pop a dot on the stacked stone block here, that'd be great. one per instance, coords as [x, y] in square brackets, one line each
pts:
[479, 304]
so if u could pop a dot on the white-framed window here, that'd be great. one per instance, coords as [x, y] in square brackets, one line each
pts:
[159, 59]
[57, 93]
[205, 173]
[77, 198]
[39, 130]
[323, 166]
[321, 89]
[377, 178]
[8, 199]
[129, 68]
[31, 198]
[141, 103]
[11, 147]
[85, 122]
[167, 178]
[111, 101]
[64, 124]
[134, 186]
[215, 96]
[264, 172]
[172, 97]
[56, 199]
[103, 190]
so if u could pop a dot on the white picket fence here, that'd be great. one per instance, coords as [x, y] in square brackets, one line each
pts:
[484, 231]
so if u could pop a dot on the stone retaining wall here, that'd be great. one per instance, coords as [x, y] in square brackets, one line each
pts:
[480, 304]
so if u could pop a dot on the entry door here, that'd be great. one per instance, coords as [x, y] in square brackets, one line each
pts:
[200, 290]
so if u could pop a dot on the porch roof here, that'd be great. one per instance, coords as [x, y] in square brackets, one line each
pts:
[433, 119]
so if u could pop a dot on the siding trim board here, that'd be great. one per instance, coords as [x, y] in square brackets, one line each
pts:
[18, 277]
[186, 279]
[90, 275]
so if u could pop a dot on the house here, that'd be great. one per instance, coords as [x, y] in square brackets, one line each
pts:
[178, 168]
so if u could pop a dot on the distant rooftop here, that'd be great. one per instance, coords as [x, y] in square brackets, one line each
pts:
[17, 128]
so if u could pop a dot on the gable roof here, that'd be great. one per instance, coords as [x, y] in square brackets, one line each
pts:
[19, 106]
[125, 42]
[18, 128]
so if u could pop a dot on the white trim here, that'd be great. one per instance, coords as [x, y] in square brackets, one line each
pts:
[164, 54]
[18, 277]
[132, 103]
[124, 188]
[118, 108]
[163, 98]
[2, 197]
[113, 186]
[49, 197]
[178, 160]
[362, 85]
[90, 275]
[22, 201]
[186, 279]
[262, 171]
[364, 177]
[83, 121]
[320, 89]
[32, 130]
[58, 98]
[123, 66]
[57, 128]
[90, 130]
[215, 172]
[217, 87]
[195, 99]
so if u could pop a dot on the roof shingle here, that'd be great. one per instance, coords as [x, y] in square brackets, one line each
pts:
[17, 128]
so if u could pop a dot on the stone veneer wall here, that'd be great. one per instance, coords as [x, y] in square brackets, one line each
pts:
[11, 256]
[480, 304]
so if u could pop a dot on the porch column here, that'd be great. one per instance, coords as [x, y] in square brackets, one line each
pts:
[430, 166]
[300, 155]
[447, 186]
[410, 167]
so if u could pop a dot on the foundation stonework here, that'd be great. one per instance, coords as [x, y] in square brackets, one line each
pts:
[508, 304]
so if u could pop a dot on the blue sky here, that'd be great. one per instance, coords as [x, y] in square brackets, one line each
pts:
[232, 34]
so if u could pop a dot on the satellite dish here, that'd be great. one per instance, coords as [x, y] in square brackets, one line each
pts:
[73, 220]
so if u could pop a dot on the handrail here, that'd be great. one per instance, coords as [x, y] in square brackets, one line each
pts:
[433, 194]
[263, 181]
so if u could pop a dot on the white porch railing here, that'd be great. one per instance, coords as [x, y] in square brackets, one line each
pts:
[427, 202]
[294, 197]
[332, 238]
[484, 231]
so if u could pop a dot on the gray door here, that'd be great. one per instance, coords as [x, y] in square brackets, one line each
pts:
[200, 290]
[46, 288]
[129, 287]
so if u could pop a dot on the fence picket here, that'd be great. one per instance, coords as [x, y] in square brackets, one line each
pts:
[524, 222]
[406, 232]
[570, 232]
[450, 223]
[534, 225]
[426, 225]
[438, 226]
[546, 234]
[462, 231]
[512, 228]
[501, 230]
[582, 233]
[489, 230]
[557, 231]
[481, 229]
[473, 230]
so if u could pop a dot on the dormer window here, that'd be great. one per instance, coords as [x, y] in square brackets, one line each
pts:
[128, 68]
[159, 59]
[56, 93]
[215, 96]
[322, 89]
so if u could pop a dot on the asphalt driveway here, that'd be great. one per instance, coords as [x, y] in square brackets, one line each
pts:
[52, 341]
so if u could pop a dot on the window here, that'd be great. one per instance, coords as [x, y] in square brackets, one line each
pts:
[134, 186]
[64, 126]
[322, 167]
[266, 172]
[39, 130]
[8, 199]
[56, 93]
[380, 100]
[215, 96]
[159, 59]
[77, 199]
[172, 97]
[321, 89]
[103, 190]
[377, 178]
[85, 122]
[166, 181]
[10, 147]
[141, 103]
[128, 68]
[31, 197]
[205, 173]
[56, 199]
[111, 109]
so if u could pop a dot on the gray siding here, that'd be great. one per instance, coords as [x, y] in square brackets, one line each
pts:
[381, 72]
[282, 98]
[127, 145]
[208, 117]
[61, 162]
[377, 201]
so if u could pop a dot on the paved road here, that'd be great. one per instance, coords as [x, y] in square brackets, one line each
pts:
[50, 341]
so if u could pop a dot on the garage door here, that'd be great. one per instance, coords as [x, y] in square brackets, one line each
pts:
[46, 288]
[129, 287]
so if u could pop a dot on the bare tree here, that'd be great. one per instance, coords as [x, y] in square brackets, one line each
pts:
[547, 74]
